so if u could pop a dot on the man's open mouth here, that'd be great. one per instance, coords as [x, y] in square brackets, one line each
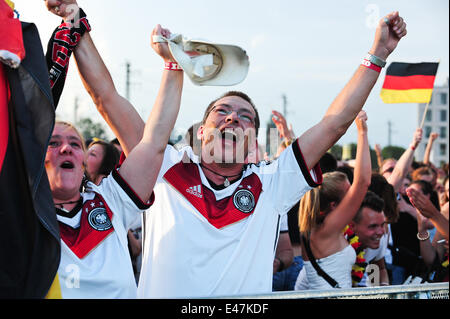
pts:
[228, 134]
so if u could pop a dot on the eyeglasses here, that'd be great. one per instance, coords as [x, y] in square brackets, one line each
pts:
[225, 110]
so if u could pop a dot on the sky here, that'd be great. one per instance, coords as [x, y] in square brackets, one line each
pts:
[304, 50]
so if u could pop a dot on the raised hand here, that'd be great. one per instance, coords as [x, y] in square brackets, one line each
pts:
[66, 9]
[417, 137]
[162, 48]
[282, 127]
[422, 203]
[361, 121]
[390, 30]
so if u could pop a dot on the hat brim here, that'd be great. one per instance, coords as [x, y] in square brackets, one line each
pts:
[233, 69]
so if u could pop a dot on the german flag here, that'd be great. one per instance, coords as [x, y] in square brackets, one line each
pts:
[409, 82]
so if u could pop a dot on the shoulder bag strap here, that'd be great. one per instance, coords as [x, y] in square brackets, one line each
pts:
[316, 266]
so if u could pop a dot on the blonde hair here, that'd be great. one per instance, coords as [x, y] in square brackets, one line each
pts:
[315, 204]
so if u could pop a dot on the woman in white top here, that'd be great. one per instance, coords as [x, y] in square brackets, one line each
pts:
[95, 262]
[325, 211]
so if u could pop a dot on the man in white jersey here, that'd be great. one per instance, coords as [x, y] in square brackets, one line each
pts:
[212, 228]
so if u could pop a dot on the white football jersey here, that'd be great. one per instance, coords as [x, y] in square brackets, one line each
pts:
[201, 242]
[95, 262]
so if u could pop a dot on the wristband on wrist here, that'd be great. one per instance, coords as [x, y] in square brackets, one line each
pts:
[375, 60]
[172, 66]
[370, 65]
[413, 147]
[423, 238]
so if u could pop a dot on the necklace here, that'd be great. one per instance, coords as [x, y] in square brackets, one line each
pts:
[61, 205]
[226, 183]
[360, 265]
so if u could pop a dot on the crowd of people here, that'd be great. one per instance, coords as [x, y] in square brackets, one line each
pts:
[145, 219]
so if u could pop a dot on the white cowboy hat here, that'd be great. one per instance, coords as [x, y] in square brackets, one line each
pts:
[207, 63]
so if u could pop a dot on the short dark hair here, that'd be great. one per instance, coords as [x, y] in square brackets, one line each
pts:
[372, 201]
[328, 163]
[380, 186]
[238, 94]
[110, 159]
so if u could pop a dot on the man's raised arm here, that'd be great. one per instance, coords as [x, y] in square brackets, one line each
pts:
[344, 109]
[142, 165]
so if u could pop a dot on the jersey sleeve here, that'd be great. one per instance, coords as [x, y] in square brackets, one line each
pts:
[288, 178]
[121, 198]
[173, 156]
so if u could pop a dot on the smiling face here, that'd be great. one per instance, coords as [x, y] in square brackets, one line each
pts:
[227, 129]
[370, 227]
[64, 162]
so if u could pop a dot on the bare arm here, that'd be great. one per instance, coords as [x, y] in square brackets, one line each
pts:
[379, 155]
[404, 162]
[427, 251]
[427, 209]
[120, 115]
[283, 130]
[146, 151]
[431, 139]
[142, 165]
[343, 110]
[343, 214]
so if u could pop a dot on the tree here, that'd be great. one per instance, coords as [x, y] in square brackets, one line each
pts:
[90, 129]
[336, 150]
[392, 152]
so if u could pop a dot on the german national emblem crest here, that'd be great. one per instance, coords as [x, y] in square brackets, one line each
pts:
[99, 219]
[244, 200]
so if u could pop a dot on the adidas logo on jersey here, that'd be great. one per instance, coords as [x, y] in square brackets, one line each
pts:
[195, 190]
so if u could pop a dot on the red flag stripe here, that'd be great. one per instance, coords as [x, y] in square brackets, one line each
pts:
[4, 115]
[393, 82]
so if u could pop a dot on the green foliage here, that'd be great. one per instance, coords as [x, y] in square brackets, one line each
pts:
[350, 150]
[89, 129]
[336, 150]
[392, 152]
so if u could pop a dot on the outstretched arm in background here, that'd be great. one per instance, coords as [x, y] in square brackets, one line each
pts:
[346, 210]
[425, 207]
[377, 149]
[285, 132]
[426, 157]
[344, 109]
[404, 162]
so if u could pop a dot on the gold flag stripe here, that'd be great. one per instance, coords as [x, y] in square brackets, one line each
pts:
[406, 96]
